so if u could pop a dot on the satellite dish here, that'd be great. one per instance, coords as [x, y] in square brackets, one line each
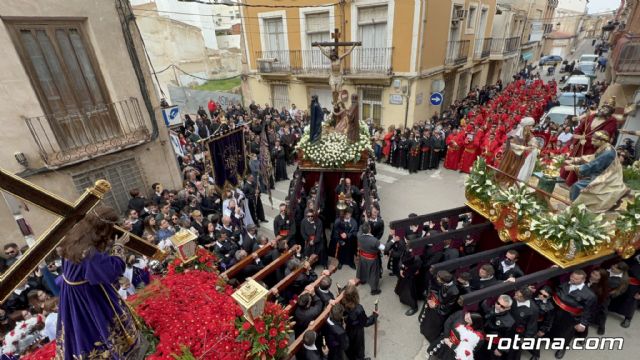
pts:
[437, 86]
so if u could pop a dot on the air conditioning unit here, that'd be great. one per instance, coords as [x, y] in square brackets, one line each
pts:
[265, 65]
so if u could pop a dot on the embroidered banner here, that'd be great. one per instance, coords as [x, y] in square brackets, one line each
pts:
[228, 160]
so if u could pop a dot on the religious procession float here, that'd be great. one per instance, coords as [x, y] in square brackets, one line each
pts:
[560, 211]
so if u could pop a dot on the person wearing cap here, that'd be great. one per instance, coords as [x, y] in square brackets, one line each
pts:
[600, 183]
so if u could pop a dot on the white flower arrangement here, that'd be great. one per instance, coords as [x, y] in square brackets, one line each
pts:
[628, 220]
[577, 225]
[334, 149]
[479, 183]
[522, 199]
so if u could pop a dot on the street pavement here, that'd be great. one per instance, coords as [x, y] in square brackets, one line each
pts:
[402, 193]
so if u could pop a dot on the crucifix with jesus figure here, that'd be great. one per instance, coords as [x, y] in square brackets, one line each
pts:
[332, 51]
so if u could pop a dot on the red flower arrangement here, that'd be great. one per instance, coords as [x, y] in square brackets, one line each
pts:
[204, 261]
[267, 337]
[194, 316]
[188, 314]
[47, 352]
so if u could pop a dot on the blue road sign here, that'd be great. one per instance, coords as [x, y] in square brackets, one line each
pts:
[436, 98]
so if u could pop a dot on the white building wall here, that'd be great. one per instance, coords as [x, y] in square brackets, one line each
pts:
[209, 18]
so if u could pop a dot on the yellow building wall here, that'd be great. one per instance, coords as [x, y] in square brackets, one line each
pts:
[403, 35]
[436, 33]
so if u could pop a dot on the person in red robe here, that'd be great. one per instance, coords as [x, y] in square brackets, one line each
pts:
[489, 149]
[454, 149]
[470, 153]
[602, 120]
[386, 150]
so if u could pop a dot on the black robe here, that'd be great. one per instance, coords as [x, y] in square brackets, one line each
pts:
[425, 148]
[406, 285]
[283, 227]
[403, 153]
[347, 247]
[413, 163]
[626, 304]
[355, 322]
[256, 209]
[304, 316]
[336, 339]
[502, 325]
[583, 299]
[432, 319]
[312, 237]
[280, 162]
[377, 227]
[437, 149]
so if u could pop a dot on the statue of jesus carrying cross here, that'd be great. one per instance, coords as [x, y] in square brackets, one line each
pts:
[331, 51]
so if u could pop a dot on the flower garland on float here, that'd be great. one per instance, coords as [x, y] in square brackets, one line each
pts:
[334, 149]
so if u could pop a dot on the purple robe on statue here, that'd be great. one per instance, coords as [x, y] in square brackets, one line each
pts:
[93, 319]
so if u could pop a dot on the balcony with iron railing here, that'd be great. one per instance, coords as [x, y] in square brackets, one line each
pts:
[457, 52]
[625, 56]
[501, 47]
[76, 135]
[313, 62]
[482, 49]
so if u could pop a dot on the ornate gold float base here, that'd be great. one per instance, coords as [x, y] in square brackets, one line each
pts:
[564, 263]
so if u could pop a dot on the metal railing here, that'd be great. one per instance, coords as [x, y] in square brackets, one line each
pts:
[361, 60]
[80, 134]
[482, 48]
[370, 60]
[457, 52]
[504, 46]
[626, 55]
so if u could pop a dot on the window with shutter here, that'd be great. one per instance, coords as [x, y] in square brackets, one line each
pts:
[123, 176]
[371, 104]
[280, 96]
[65, 75]
[372, 32]
[274, 34]
[317, 30]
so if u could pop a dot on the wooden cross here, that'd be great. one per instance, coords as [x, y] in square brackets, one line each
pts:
[335, 35]
[332, 51]
[69, 214]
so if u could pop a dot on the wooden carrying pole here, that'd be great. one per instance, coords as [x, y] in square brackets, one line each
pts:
[472, 259]
[421, 219]
[233, 270]
[69, 214]
[290, 307]
[274, 265]
[528, 279]
[315, 326]
[289, 279]
[453, 234]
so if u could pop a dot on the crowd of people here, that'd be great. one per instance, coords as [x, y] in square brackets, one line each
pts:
[228, 222]
[543, 310]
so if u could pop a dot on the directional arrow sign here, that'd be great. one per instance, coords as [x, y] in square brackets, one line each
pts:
[436, 98]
